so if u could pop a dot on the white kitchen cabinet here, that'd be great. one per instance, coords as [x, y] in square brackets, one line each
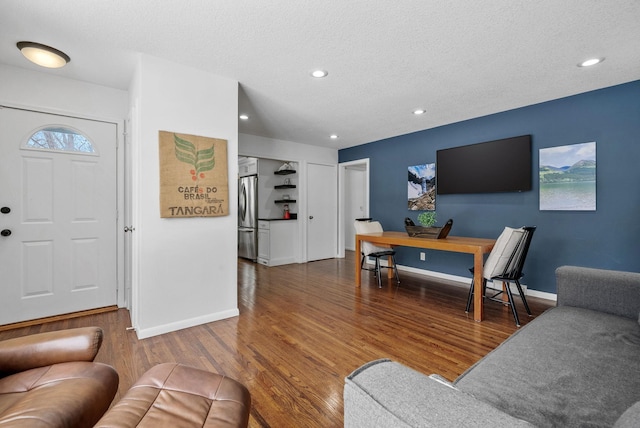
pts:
[277, 242]
[247, 166]
[263, 242]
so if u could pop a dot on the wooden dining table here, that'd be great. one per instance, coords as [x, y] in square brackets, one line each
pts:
[476, 246]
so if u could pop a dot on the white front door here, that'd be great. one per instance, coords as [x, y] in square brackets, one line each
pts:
[57, 215]
[322, 208]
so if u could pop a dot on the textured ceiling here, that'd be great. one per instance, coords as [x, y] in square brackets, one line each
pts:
[456, 59]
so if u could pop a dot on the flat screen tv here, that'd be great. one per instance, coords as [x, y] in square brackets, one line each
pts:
[491, 167]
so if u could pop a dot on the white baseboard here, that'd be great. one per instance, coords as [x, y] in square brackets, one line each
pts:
[461, 281]
[168, 328]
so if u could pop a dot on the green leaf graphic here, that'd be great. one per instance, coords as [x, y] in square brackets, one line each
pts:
[206, 165]
[185, 157]
[185, 151]
[200, 160]
[205, 152]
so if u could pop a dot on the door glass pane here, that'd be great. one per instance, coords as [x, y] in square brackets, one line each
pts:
[60, 139]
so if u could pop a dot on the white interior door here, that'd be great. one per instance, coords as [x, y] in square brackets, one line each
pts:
[58, 220]
[322, 209]
[354, 203]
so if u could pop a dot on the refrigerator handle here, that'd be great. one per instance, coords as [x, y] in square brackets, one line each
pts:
[243, 201]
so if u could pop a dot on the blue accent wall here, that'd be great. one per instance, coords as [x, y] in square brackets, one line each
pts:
[607, 238]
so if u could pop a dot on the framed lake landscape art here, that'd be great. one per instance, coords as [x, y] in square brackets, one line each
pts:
[568, 178]
[421, 187]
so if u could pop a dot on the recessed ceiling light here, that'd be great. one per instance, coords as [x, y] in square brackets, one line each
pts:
[419, 111]
[590, 62]
[319, 73]
[333, 136]
[244, 117]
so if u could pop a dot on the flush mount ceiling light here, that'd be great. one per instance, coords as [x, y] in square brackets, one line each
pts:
[43, 55]
[319, 73]
[333, 136]
[419, 111]
[244, 117]
[590, 62]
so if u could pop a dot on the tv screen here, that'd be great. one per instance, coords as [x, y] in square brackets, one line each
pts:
[491, 167]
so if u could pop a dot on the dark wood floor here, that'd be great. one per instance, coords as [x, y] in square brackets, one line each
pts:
[303, 328]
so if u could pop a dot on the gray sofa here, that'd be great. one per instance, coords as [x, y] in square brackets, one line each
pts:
[576, 365]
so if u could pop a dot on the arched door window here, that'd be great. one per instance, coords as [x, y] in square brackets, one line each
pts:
[58, 138]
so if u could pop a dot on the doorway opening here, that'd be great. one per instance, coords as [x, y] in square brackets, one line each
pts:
[353, 194]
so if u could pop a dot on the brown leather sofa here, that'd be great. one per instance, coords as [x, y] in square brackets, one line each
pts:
[50, 380]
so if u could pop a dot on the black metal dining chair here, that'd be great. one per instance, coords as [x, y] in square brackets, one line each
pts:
[370, 250]
[505, 264]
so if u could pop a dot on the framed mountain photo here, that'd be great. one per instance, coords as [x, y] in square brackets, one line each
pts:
[568, 178]
[421, 187]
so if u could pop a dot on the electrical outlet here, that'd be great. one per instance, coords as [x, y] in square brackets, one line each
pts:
[422, 256]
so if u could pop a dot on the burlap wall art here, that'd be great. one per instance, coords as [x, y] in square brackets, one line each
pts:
[193, 176]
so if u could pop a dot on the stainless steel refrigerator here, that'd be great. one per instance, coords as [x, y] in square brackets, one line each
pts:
[248, 217]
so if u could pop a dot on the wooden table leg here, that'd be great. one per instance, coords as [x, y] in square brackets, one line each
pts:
[390, 273]
[357, 258]
[505, 296]
[478, 262]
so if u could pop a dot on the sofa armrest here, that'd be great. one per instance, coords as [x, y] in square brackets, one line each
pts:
[39, 350]
[383, 393]
[609, 291]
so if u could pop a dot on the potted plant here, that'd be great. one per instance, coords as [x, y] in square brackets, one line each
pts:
[428, 219]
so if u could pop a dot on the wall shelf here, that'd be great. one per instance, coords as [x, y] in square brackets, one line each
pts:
[285, 172]
[285, 201]
[285, 186]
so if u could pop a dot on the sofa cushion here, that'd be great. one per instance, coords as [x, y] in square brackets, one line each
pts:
[571, 367]
[45, 349]
[384, 393]
[610, 291]
[630, 418]
[175, 395]
[74, 394]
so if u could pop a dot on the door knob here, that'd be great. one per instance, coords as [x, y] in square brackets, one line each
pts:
[310, 217]
[5, 210]
[5, 232]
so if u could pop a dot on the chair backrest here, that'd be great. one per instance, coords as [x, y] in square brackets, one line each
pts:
[513, 269]
[369, 227]
[509, 253]
[502, 251]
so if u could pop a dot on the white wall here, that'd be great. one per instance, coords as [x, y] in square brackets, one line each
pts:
[262, 147]
[30, 89]
[184, 270]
